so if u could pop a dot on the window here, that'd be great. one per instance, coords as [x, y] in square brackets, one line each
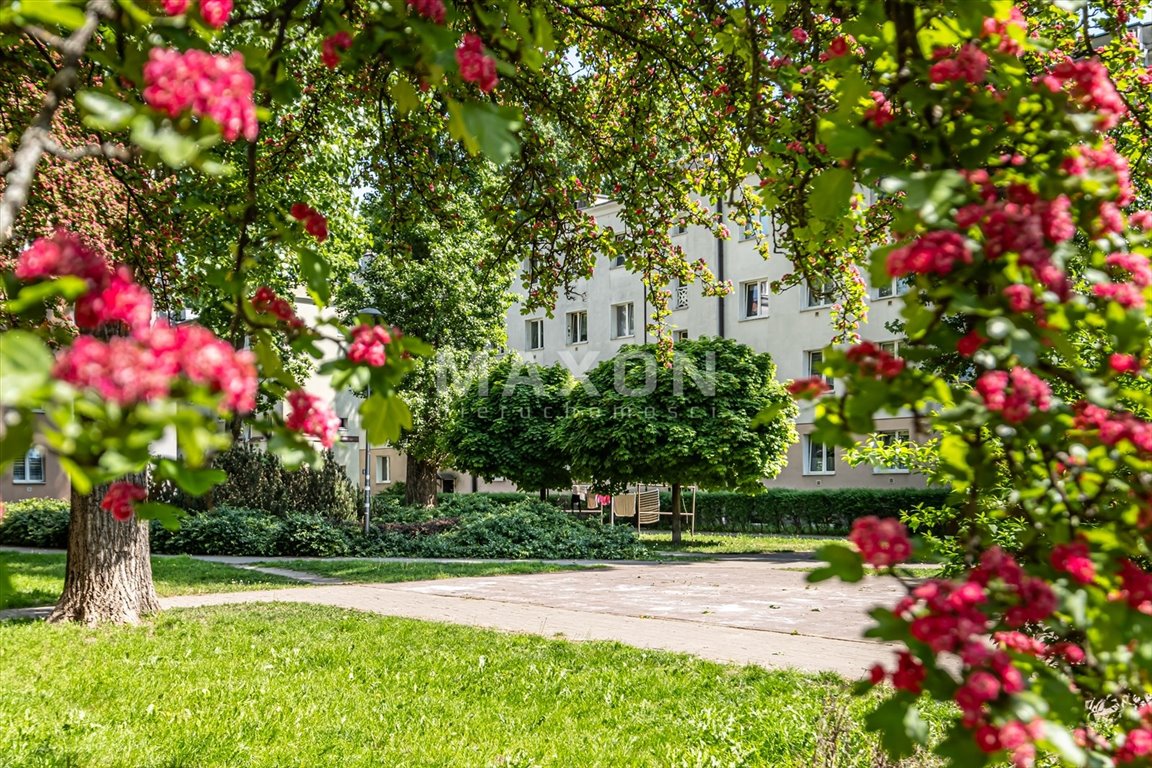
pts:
[819, 294]
[383, 469]
[814, 365]
[533, 270]
[29, 469]
[448, 485]
[623, 320]
[891, 347]
[679, 295]
[897, 287]
[679, 229]
[755, 295]
[887, 440]
[618, 261]
[681, 335]
[577, 327]
[819, 458]
[536, 334]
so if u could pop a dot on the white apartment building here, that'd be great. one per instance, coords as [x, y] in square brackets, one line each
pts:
[610, 310]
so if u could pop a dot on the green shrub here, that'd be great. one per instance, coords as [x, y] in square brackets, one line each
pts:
[36, 523]
[223, 531]
[304, 535]
[257, 480]
[782, 510]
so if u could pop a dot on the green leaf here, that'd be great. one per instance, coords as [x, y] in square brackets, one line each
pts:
[53, 12]
[31, 295]
[196, 482]
[79, 477]
[405, 96]
[315, 270]
[175, 149]
[831, 193]
[19, 429]
[385, 418]
[493, 128]
[103, 112]
[25, 366]
[843, 563]
[900, 725]
[268, 360]
[1063, 742]
[168, 515]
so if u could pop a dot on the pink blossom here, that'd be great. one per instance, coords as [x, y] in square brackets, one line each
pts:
[433, 10]
[874, 362]
[799, 35]
[1123, 363]
[310, 416]
[476, 66]
[212, 86]
[910, 673]
[837, 48]
[122, 300]
[969, 343]
[314, 222]
[121, 498]
[883, 542]
[1014, 394]
[332, 46]
[967, 63]
[64, 254]
[369, 345]
[215, 12]
[935, 253]
[1141, 220]
[175, 7]
[266, 301]
[880, 113]
[1073, 559]
[1003, 30]
[1088, 83]
[808, 388]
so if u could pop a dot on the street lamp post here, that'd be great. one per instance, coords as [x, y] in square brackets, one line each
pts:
[372, 313]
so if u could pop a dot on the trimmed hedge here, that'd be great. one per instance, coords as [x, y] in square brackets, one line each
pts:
[36, 523]
[782, 510]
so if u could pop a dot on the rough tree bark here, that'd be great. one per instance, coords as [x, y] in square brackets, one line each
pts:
[109, 573]
[675, 513]
[420, 484]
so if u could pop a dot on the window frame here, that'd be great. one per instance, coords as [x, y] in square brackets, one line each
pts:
[631, 315]
[895, 289]
[383, 463]
[680, 334]
[828, 296]
[22, 462]
[762, 287]
[881, 470]
[569, 318]
[810, 369]
[536, 322]
[827, 457]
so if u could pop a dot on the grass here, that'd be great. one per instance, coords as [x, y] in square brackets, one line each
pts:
[39, 579]
[733, 543]
[375, 572]
[265, 686]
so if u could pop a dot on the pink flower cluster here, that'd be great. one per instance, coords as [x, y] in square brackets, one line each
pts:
[1114, 426]
[1074, 559]
[1014, 394]
[332, 46]
[1087, 160]
[970, 342]
[1016, 220]
[880, 113]
[966, 63]
[1088, 83]
[433, 10]
[1136, 586]
[214, 12]
[1123, 363]
[475, 65]
[265, 301]
[213, 86]
[310, 416]
[1002, 29]
[808, 388]
[314, 222]
[63, 254]
[1127, 293]
[121, 499]
[874, 362]
[369, 345]
[883, 542]
[935, 253]
[121, 299]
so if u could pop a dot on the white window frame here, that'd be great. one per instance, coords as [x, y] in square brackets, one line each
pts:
[537, 322]
[887, 437]
[618, 260]
[629, 308]
[897, 287]
[892, 346]
[824, 298]
[813, 361]
[762, 286]
[827, 457]
[383, 468]
[680, 334]
[23, 478]
[679, 297]
[573, 323]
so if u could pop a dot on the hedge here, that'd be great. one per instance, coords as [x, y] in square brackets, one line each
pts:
[36, 523]
[782, 510]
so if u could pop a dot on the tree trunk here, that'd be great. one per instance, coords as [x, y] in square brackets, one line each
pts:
[420, 485]
[109, 573]
[543, 494]
[675, 513]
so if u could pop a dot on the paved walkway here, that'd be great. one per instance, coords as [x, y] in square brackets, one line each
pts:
[743, 611]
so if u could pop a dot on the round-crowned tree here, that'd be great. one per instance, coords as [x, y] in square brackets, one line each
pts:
[694, 422]
[504, 425]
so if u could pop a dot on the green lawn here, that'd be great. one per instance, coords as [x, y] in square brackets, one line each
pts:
[733, 543]
[39, 579]
[268, 686]
[371, 572]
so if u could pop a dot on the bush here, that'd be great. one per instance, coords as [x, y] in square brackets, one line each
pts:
[303, 535]
[223, 531]
[257, 480]
[781, 510]
[36, 523]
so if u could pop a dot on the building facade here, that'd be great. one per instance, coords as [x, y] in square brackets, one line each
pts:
[609, 310]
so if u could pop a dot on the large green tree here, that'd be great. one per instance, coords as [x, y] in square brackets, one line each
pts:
[635, 420]
[504, 425]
